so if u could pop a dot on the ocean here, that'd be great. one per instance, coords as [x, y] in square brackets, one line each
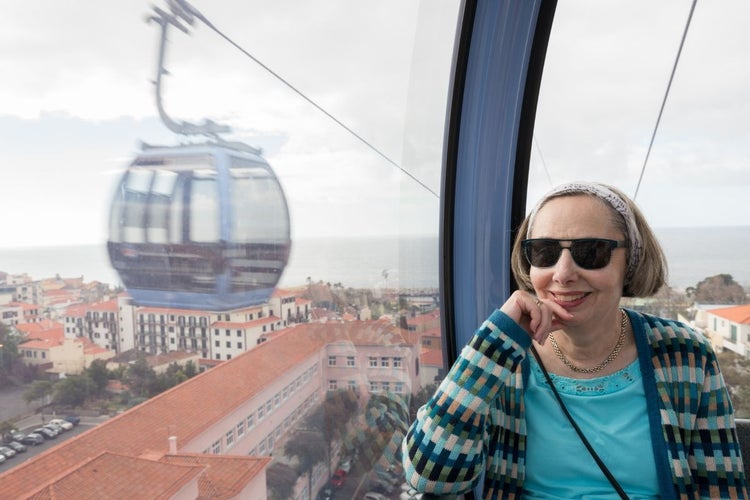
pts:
[693, 254]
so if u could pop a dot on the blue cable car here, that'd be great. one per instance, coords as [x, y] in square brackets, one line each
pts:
[198, 226]
[202, 226]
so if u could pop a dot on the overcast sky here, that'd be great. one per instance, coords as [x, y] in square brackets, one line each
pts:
[76, 99]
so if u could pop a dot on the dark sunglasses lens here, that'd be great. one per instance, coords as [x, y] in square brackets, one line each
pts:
[587, 254]
[542, 253]
[591, 254]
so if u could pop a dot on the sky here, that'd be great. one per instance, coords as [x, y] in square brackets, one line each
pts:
[76, 99]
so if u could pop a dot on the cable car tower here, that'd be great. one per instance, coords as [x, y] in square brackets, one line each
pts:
[200, 225]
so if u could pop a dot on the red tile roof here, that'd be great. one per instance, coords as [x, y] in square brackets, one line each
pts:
[107, 306]
[225, 475]
[111, 475]
[144, 429]
[432, 357]
[245, 324]
[737, 314]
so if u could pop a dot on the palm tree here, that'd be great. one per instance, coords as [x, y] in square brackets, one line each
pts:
[309, 448]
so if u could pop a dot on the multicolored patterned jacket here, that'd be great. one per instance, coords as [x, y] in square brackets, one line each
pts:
[474, 424]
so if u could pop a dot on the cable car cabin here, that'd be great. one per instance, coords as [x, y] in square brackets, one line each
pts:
[199, 227]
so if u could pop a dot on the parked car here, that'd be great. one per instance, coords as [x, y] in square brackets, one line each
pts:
[54, 428]
[14, 435]
[45, 432]
[7, 452]
[338, 478]
[73, 419]
[2, 458]
[326, 493]
[64, 424]
[346, 465]
[20, 448]
[410, 494]
[32, 439]
[373, 495]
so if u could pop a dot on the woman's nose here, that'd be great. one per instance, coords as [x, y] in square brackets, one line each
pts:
[565, 269]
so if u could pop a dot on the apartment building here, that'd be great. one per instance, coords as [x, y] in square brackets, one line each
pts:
[48, 347]
[225, 425]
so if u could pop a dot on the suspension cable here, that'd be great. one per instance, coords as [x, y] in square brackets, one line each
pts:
[184, 6]
[664, 101]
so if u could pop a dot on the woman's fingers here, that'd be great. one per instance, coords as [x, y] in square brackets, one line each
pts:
[535, 315]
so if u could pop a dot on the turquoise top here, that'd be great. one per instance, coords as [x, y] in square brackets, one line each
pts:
[611, 412]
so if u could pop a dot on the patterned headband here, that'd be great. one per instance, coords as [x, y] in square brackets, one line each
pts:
[615, 201]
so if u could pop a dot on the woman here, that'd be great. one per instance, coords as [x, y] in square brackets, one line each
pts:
[646, 392]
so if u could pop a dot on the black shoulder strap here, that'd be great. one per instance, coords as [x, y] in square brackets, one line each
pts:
[578, 430]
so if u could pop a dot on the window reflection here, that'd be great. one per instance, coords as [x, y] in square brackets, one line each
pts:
[342, 351]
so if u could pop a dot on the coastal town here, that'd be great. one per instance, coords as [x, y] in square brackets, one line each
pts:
[257, 374]
[308, 393]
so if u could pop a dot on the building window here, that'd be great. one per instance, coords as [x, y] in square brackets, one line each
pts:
[269, 407]
[352, 385]
[332, 385]
[385, 362]
[397, 362]
[277, 399]
[240, 428]
[398, 387]
[250, 421]
[230, 438]
[385, 386]
[261, 413]
[331, 360]
[216, 447]
[373, 387]
[239, 345]
[373, 362]
[350, 361]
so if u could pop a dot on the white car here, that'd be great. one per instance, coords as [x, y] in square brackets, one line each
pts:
[61, 423]
[410, 494]
[371, 495]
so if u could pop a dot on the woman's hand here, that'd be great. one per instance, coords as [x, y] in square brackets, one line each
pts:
[536, 316]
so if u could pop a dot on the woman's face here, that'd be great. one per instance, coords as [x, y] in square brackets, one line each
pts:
[586, 293]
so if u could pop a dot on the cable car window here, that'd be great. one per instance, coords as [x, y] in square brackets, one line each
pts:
[159, 206]
[204, 207]
[136, 194]
[258, 210]
[652, 99]
[309, 230]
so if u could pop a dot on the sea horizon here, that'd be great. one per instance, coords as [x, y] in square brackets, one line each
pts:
[693, 254]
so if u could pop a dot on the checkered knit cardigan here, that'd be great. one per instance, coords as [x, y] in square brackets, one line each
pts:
[475, 422]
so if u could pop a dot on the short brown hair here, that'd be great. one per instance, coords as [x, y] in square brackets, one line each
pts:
[649, 275]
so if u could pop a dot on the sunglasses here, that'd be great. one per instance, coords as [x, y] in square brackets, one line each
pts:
[587, 253]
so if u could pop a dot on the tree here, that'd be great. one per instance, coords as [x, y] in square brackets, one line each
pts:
[720, 289]
[74, 390]
[99, 375]
[9, 358]
[38, 390]
[280, 481]
[332, 417]
[5, 427]
[141, 378]
[308, 448]
[190, 369]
